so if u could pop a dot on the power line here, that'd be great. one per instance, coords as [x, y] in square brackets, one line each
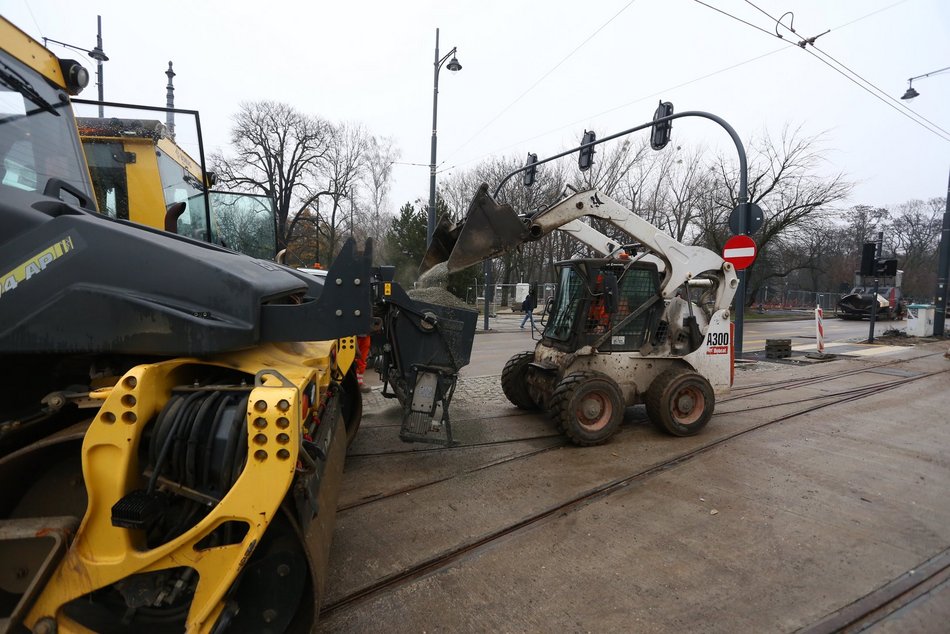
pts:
[621, 106]
[736, 18]
[802, 44]
[890, 6]
[691, 81]
[539, 80]
[890, 99]
[38, 29]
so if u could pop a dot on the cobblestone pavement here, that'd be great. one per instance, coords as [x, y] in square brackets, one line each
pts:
[475, 397]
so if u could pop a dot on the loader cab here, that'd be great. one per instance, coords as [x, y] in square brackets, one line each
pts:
[39, 149]
[594, 296]
[144, 171]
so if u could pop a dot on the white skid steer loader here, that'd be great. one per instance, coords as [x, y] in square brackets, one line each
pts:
[651, 327]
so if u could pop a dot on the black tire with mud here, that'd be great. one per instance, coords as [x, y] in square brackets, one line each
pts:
[587, 407]
[680, 402]
[514, 381]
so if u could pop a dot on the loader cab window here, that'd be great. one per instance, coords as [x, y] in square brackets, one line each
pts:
[244, 223]
[580, 308]
[109, 177]
[567, 302]
[636, 285]
[38, 138]
[178, 185]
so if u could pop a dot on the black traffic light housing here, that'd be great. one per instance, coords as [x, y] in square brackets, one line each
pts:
[532, 170]
[586, 156]
[886, 268]
[868, 257]
[662, 131]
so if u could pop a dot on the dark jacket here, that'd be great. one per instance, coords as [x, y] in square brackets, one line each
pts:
[529, 303]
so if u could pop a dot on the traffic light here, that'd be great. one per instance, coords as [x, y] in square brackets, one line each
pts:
[885, 268]
[661, 131]
[868, 257]
[532, 171]
[586, 157]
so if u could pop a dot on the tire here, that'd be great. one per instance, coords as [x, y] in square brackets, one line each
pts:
[351, 405]
[514, 381]
[587, 407]
[680, 402]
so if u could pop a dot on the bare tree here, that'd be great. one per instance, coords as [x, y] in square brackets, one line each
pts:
[276, 151]
[785, 179]
[381, 153]
[342, 170]
[914, 234]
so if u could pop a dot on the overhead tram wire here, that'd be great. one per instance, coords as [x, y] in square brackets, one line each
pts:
[805, 42]
[38, 29]
[887, 98]
[538, 81]
[686, 83]
[919, 121]
[621, 106]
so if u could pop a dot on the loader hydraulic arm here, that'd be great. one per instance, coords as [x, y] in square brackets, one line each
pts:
[490, 229]
[683, 262]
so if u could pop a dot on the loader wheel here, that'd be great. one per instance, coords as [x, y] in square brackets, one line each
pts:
[514, 381]
[587, 407]
[680, 402]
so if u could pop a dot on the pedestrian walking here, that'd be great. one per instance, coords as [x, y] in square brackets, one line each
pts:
[528, 305]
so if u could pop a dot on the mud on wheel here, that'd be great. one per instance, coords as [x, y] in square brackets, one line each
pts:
[680, 402]
[514, 381]
[588, 407]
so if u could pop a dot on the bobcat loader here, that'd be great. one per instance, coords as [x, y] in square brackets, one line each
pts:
[651, 328]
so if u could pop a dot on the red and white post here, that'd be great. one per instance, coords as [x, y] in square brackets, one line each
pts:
[819, 330]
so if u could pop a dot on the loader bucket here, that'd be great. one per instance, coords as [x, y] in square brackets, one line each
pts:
[488, 230]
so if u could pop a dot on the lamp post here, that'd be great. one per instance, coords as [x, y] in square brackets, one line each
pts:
[943, 255]
[96, 54]
[911, 92]
[453, 66]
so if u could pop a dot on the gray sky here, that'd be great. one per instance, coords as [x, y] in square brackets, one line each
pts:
[598, 65]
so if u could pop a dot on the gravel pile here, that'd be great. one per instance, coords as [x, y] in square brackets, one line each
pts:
[440, 296]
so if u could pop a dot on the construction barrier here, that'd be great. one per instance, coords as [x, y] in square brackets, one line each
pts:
[819, 330]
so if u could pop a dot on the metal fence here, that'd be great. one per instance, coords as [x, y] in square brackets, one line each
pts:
[796, 300]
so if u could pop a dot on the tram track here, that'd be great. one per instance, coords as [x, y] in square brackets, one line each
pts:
[860, 391]
[581, 500]
[911, 586]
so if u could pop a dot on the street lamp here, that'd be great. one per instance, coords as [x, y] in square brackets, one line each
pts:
[96, 54]
[453, 66]
[943, 253]
[911, 92]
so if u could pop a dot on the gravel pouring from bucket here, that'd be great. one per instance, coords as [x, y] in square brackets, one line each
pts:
[488, 230]
[443, 241]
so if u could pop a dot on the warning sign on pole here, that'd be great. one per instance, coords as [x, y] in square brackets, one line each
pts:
[740, 251]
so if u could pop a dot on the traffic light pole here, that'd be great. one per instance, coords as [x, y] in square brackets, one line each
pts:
[943, 272]
[877, 258]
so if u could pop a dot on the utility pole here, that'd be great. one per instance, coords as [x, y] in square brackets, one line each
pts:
[943, 272]
[98, 55]
[877, 258]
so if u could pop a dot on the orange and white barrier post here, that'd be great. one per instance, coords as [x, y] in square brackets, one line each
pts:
[819, 330]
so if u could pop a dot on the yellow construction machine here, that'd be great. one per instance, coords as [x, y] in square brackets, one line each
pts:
[141, 173]
[173, 421]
